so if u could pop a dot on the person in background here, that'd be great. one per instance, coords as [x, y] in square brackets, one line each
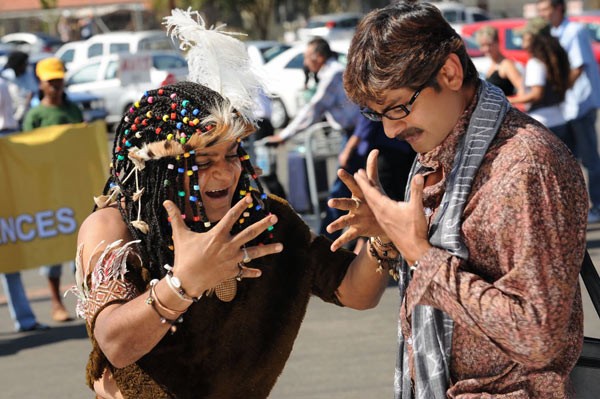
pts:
[18, 304]
[22, 83]
[492, 232]
[546, 77]
[329, 101]
[54, 109]
[582, 100]
[502, 71]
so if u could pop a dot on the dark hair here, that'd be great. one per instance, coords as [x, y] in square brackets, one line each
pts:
[321, 47]
[401, 45]
[168, 122]
[548, 49]
[16, 59]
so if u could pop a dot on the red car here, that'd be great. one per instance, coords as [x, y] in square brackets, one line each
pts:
[511, 41]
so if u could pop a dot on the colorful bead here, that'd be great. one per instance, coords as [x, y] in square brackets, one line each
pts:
[181, 193]
[263, 196]
[196, 218]
[196, 187]
[173, 106]
[195, 112]
[186, 154]
[145, 122]
[160, 92]
[126, 119]
[165, 118]
[158, 130]
[179, 125]
[196, 121]
[150, 100]
[131, 110]
[186, 120]
[206, 224]
[189, 173]
[166, 183]
[246, 214]
[193, 199]
[173, 96]
[126, 132]
[149, 114]
[170, 136]
[127, 144]
[183, 112]
[118, 149]
[134, 127]
[180, 170]
[120, 157]
[245, 157]
[192, 152]
[241, 221]
[185, 103]
[182, 140]
[195, 168]
[173, 115]
[270, 228]
[138, 135]
[136, 104]
[258, 207]
[170, 166]
[242, 192]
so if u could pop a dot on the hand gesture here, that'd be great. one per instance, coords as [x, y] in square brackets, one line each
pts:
[360, 220]
[403, 222]
[203, 260]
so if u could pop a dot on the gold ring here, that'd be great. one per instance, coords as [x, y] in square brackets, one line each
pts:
[247, 259]
[240, 274]
[357, 202]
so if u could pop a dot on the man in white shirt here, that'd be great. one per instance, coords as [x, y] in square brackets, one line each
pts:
[583, 98]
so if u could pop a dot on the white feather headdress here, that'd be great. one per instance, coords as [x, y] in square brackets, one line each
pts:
[217, 60]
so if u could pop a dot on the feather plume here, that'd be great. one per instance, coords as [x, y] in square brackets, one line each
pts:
[217, 60]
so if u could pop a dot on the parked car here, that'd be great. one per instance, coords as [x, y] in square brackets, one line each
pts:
[457, 14]
[511, 41]
[340, 26]
[120, 79]
[287, 80]
[76, 53]
[32, 43]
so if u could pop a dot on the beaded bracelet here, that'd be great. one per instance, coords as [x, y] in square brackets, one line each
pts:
[175, 285]
[152, 300]
[385, 262]
[388, 249]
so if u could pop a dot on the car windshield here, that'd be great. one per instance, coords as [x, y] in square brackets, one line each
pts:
[272, 52]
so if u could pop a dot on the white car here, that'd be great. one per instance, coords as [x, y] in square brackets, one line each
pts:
[340, 26]
[262, 51]
[121, 79]
[75, 53]
[457, 14]
[32, 43]
[286, 80]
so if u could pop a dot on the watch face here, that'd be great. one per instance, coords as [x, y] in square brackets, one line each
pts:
[176, 282]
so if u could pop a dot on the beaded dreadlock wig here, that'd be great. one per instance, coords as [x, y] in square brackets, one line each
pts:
[153, 160]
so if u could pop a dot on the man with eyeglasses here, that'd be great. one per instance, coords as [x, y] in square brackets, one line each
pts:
[492, 233]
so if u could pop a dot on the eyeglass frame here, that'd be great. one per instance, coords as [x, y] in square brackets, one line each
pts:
[406, 107]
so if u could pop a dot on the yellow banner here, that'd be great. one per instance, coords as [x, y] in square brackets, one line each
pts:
[48, 178]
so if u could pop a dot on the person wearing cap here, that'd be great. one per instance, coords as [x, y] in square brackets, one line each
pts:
[546, 76]
[54, 109]
[582, 100]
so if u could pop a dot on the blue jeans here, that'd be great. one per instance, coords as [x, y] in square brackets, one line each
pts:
[18, 304]
[580, 137]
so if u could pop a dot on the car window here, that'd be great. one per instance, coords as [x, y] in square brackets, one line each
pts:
[453, 16]
[273, 52]
[347, 23]
[111, 70]
[315, 24]
[67, 56]
[594, 30]
[118, 48]
[167, 62]
[155, 43]
[87, 74]
[480, 17]
[514, 41]
[94, 50]
[296, 63]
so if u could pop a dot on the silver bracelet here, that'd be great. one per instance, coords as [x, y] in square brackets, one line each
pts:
[175, 284]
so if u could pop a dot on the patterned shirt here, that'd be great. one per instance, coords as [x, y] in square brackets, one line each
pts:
[516, 302]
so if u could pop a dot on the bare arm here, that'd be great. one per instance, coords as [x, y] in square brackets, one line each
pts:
[574, 75]
[126, 332]
[512, 73]
[535, 94]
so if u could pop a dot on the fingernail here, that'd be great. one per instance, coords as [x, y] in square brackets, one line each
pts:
[273, 219]
[248, 198]
[278, 247]
[167, 205]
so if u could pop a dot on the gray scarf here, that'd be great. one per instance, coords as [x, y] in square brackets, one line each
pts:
[432, 328]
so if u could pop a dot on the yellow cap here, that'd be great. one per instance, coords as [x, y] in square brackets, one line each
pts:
[50, 69]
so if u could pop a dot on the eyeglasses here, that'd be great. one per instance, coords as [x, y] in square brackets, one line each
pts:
[399, 111]
[394, 113]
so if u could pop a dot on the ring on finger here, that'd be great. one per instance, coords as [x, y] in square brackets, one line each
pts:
[240, 274]
[247, 258]
[357, 202]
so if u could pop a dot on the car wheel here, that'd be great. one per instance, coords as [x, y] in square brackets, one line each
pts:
[279, 116]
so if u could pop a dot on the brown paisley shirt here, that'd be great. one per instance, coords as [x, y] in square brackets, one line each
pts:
[516, 302]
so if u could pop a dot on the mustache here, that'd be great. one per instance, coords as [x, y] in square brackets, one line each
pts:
[412, 131]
